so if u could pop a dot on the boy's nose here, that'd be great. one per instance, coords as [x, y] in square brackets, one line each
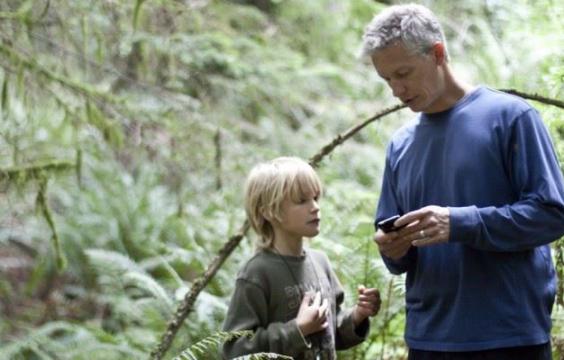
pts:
[315, 206]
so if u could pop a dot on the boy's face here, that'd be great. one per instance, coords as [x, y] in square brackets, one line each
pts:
[299, 218]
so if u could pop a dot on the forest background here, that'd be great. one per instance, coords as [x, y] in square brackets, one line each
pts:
[127, 129]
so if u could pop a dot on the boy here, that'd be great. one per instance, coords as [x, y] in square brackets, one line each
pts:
[289, 296]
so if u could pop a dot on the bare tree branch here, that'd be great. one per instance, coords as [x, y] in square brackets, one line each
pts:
[536, 97]
[341, 138]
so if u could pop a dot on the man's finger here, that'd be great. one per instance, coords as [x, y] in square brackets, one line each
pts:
[425, 241]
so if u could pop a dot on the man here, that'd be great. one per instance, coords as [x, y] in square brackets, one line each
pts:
[476, 180]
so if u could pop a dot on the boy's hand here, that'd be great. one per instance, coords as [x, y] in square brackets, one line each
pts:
[368, 304]
[312, 316]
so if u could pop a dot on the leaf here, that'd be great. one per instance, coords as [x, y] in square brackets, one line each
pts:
[4, 102]
[136, 12]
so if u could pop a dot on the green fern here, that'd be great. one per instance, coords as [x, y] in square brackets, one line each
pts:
[209, 344]
[263, 356]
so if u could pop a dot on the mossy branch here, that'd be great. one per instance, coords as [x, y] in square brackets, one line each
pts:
[28, 172]
[30, 63]
[341, 138]
[46, 212]
[40, 172]
[536, 97]
[94, 113]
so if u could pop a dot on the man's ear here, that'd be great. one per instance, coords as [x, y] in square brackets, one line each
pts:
[439, 53]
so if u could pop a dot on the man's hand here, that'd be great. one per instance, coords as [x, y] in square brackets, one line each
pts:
[312, 316]
[426, 226]
[391, 244]
[368, 304]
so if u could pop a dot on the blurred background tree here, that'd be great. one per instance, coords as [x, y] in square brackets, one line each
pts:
[127, 129]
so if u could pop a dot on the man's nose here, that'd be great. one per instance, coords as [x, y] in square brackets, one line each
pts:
[398, 88]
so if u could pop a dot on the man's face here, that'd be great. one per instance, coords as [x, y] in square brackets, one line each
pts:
[417, 80]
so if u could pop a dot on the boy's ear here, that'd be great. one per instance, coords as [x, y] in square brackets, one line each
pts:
[265, 214]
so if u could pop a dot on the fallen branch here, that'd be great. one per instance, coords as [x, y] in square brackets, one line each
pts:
[187, 304]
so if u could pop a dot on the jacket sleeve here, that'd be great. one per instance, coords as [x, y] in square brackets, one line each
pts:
[389, 206]
[347, 335]
[248, 311]
[537, 217]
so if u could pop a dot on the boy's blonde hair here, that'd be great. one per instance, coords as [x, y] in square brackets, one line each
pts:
[269, 184]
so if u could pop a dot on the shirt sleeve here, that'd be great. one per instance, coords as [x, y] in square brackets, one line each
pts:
[389, 206]
[537, 217]
[347, 334]
[248, 311]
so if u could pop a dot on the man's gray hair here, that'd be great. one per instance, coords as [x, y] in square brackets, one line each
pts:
[415, 26]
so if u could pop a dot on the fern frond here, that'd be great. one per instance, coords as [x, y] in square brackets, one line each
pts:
[111, 262]
[207, 345]
[263, 356]
[151, 286]
[43, 335]
[100, 351]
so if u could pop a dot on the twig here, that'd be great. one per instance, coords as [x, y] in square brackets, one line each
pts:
[218, 158]
[536, 97]
[341, 138]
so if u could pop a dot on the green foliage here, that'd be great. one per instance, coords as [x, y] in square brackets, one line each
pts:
[203, 348]
[129, 97]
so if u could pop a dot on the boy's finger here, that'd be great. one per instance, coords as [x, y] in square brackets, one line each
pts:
[324, 308]
[317, 299]
[307, 299]
[371, 291]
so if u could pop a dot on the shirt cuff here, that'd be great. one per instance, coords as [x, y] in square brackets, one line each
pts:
[301, 336]
[350, 334]
[463, 224]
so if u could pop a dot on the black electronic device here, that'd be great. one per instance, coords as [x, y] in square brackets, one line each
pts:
[387, 225]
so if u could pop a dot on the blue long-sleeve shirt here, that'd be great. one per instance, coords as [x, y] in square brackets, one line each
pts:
[490, 160]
